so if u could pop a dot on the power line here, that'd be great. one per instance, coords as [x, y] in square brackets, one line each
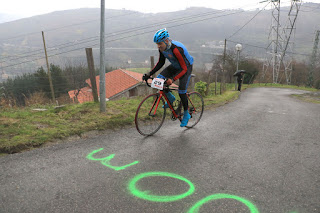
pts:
[80, 23]
[192, 16]
[236, 42]
[40, 50]
[130, 36]
[130, 30]
[96, 38]
[135, 29]
[249, 20]
[24, 56]
[191, 22]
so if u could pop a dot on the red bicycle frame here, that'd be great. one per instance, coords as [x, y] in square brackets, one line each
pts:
[157, 101]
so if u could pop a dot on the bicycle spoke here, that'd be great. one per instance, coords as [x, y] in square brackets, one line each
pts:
[196, 107]
[150, 115]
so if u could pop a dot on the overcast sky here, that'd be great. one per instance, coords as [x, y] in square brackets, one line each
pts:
[36, 7]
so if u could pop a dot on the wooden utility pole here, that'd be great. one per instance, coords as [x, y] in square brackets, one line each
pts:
[49, 74]
[223, 65]
[92, 74]
[215, 85]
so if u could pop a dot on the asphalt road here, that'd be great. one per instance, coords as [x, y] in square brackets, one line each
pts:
[260, 153]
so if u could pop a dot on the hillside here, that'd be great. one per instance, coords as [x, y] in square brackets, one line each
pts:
[129, 35]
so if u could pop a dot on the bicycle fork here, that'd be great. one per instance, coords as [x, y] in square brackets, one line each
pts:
[155, 106]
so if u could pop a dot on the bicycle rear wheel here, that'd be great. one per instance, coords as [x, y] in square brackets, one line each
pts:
[150, 116]
[196, 107]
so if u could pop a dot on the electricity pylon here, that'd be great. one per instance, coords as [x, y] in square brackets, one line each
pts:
[313, 59]
[273, 57]
[280, 48]
[288, 41]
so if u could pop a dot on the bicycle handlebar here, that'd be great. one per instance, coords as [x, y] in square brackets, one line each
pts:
[149, 85]
[166, 86]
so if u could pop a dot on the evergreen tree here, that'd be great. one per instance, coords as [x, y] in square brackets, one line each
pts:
[43, 81]
[60, 84]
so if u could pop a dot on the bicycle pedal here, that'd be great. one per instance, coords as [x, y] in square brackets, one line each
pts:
[173, 117]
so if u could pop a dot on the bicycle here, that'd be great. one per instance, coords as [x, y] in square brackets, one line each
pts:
[151, 112]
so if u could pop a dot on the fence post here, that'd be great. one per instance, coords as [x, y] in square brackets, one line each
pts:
[92, 74]
[49, 74]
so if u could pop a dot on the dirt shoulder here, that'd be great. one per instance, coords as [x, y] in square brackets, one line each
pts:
[312, 97]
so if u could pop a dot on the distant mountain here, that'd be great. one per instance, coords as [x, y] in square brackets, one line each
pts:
[129, 35]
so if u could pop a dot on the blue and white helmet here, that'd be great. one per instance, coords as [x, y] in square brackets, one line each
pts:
[161, 35]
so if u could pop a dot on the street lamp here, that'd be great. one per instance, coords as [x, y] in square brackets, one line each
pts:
[238, 49]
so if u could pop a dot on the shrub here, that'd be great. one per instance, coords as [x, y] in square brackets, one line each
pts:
[201, 87]
[317, 84]
[37, 98]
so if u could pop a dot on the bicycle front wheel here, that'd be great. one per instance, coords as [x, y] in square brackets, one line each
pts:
[196, 107]
[150, 115]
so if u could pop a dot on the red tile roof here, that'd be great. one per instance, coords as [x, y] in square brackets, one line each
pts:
[85, 95]
[116, 82]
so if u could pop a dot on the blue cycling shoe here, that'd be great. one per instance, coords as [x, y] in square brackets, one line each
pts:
[186, 117]
[166, 105]
[171, 98]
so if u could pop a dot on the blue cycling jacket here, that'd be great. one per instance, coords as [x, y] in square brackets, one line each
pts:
[178, 56]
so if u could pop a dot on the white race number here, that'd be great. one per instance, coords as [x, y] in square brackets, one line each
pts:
[157, 83]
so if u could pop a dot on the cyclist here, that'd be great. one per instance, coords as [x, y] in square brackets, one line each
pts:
[180, 68]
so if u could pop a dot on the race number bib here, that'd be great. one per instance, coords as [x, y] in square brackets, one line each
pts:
[157, 83]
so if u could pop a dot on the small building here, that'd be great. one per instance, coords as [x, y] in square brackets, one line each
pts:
[119, 83]
[208, 67]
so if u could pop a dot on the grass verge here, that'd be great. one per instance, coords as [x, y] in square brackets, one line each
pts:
[312, 97]
[280, 86]
[24, 128]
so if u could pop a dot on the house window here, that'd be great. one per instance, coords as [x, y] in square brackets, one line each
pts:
[133, 92]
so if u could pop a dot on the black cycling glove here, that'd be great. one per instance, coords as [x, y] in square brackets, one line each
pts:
[146, 76]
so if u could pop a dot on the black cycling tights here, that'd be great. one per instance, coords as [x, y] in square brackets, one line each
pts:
[184, 100]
